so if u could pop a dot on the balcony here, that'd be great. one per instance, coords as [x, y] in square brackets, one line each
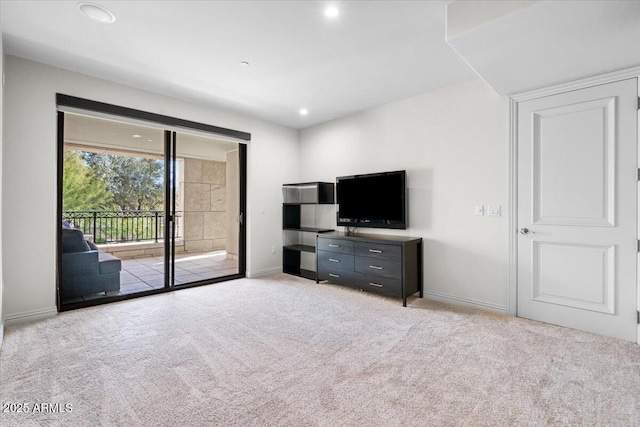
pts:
[137, 238]
[118, 227]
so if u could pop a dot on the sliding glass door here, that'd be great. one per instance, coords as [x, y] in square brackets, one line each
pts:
[113, 209]
[145, 208]
[205, 205]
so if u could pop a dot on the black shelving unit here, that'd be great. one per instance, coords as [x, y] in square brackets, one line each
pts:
[296, 196]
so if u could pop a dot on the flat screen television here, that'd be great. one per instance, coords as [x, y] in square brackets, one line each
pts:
[376, 200]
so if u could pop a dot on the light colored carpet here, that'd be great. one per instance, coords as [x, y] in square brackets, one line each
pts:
[286, 351]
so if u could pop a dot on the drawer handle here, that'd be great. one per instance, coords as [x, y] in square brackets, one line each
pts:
[376, 267]
[333, 246]
[375, 251]
[333, 275]
[334, 260]
[377, 285]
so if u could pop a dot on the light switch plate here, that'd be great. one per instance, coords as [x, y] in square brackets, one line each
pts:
[494, 210]
[479, 210]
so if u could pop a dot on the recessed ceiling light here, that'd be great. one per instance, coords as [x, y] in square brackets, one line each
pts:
[96, 13]
[136, 136]
[244, 64]
[150, 140]
[331, 12]
[304, 111]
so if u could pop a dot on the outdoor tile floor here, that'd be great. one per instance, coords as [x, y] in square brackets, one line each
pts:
[143, 274]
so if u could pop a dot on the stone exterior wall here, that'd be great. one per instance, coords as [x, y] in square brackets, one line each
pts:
[202, 196]
[138, 249]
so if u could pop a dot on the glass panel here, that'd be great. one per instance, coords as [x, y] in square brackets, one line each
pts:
[113, 209]
[207, 208]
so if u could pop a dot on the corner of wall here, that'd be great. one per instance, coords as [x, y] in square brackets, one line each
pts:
[453, 143]
[1, 145]
[29, 295]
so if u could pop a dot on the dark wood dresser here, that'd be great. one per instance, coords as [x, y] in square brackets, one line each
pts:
[388, 265]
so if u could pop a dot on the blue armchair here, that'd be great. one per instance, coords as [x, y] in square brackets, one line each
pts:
[85, 270]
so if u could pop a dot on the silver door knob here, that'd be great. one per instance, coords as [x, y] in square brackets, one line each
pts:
[526, 231]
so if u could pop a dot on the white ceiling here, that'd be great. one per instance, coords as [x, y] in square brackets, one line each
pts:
[373, 53]
[521, 45]
[116, 136]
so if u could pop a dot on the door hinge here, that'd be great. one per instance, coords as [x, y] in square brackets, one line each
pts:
[638, 245]
[638, 317]
[639, 103]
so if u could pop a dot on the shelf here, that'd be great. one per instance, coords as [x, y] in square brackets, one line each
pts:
[307, 274]
[309, 193]
[307, 203]
[296, 216]
[304, 184]
[301, 248]
[309, 229]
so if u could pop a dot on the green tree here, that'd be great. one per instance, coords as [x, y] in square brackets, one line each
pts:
[82, 189]
[136, 183]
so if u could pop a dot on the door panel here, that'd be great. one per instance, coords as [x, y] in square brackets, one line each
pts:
[111, 203]
[560, 135]
[577, 198]
[233, 203]
[574, 275]
[207, 194]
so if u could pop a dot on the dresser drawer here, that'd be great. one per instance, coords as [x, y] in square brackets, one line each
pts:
[379, 267]
[335, 245]
[335, 260]
[335, 275]
[382, 285]
[379, 250]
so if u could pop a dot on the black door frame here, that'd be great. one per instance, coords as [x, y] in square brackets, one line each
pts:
[169, 208]
[170, 147]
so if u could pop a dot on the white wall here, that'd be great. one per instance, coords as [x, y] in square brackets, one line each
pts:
[1, 149]
[454, 145]
[29, 187]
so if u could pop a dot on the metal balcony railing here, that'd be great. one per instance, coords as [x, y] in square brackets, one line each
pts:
[121, 226]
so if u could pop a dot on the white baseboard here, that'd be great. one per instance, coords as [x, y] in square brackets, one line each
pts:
[466, 302]
[265, 272]
[30, 316]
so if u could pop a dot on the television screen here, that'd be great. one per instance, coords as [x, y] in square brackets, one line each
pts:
[373, 200]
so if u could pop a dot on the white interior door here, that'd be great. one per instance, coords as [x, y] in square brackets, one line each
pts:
[577, 209]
